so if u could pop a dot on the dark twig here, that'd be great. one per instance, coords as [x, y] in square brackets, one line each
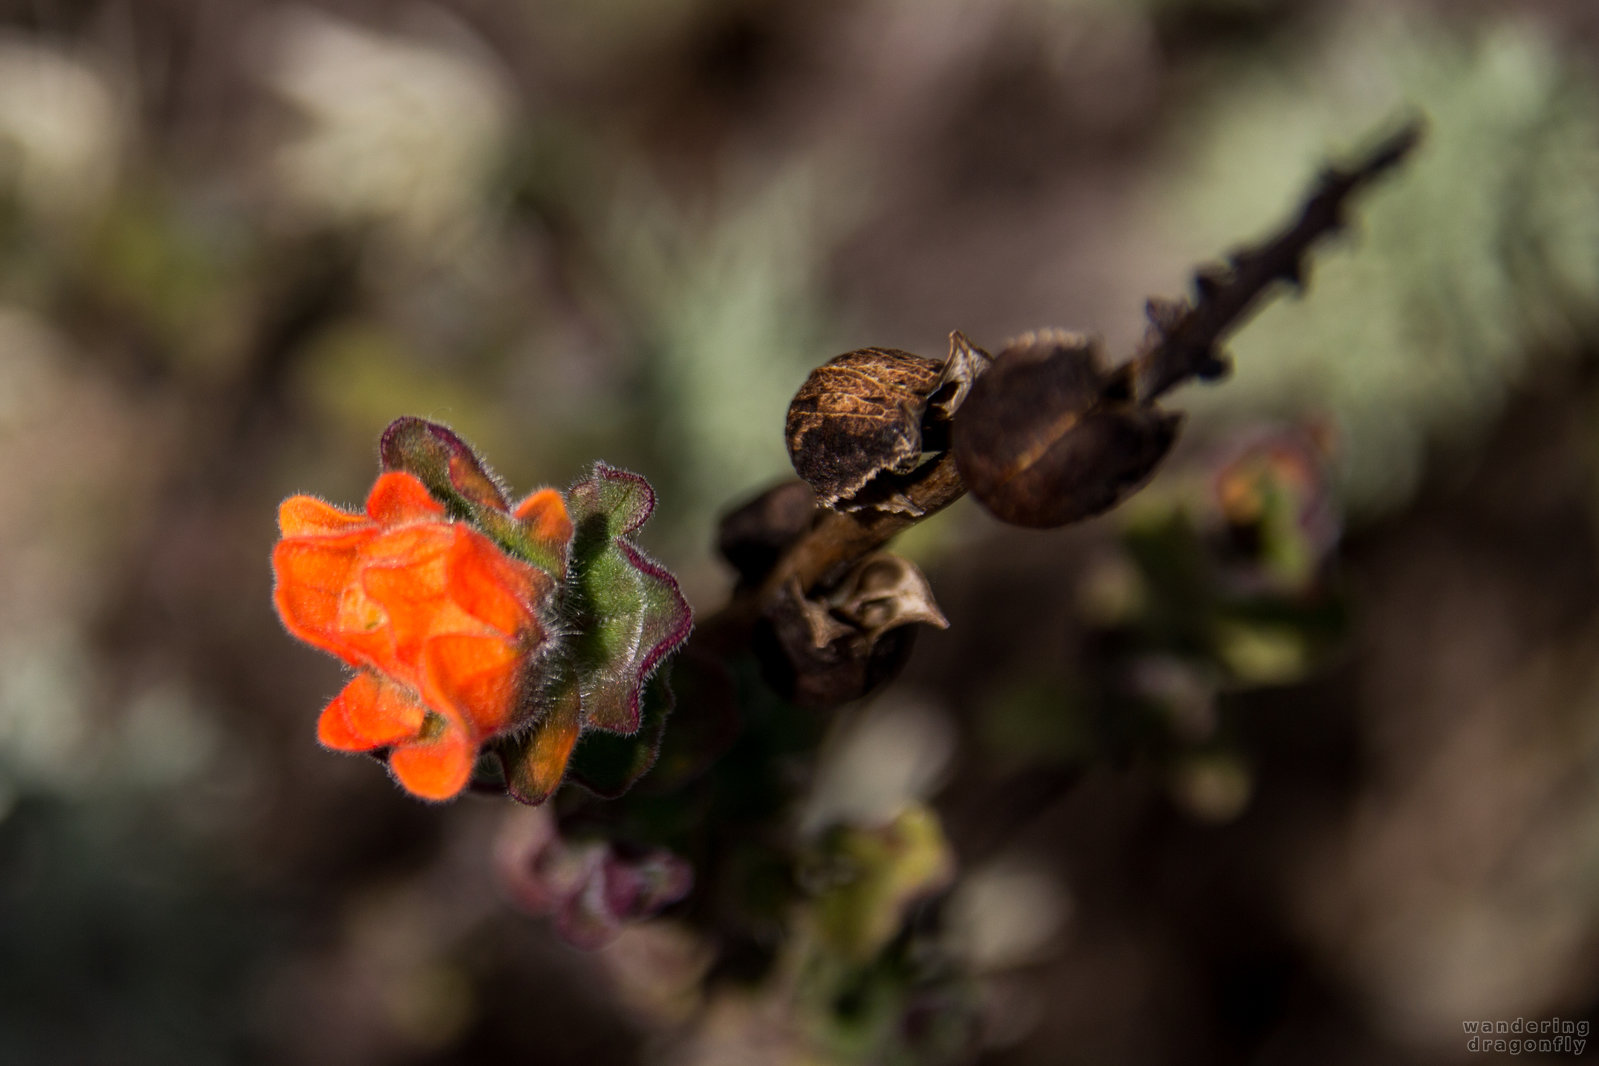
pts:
[1183, 336]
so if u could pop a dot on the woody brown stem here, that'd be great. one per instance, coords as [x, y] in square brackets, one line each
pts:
[842, 537]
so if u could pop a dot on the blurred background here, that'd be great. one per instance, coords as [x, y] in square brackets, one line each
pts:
[237, 239]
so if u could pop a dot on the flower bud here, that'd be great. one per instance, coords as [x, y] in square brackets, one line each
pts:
[590, 889]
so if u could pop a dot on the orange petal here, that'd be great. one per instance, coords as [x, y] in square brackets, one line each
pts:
[333, 728]
[300, 516]
[398, 497]
[395, 714]
[371, 712]
[416, 546]
[413, 595]
[312, 575]
[435, 769]
[492, 587]
[543, 763]
[544, 516]
[476, 678]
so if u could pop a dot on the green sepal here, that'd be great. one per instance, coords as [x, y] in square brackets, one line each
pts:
[608, 764]
[627, 611]
[443, 462]
[456, 477]
[535, 760]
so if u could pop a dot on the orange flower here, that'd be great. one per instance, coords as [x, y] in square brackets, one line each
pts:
[442, 626]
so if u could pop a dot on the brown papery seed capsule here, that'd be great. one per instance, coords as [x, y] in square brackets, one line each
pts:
[754, 535]
[857, 416]
[1048, 436]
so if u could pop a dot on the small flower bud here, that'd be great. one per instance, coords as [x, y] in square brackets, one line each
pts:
[590, 889]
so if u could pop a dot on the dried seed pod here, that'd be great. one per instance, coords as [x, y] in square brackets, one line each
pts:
[857, 416]
[884, 591]
[755, 534]
[818, 679]
[1050, 436]
[826, 650]
[962, 367]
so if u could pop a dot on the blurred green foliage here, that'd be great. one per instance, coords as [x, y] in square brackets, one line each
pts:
[1464, 275]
